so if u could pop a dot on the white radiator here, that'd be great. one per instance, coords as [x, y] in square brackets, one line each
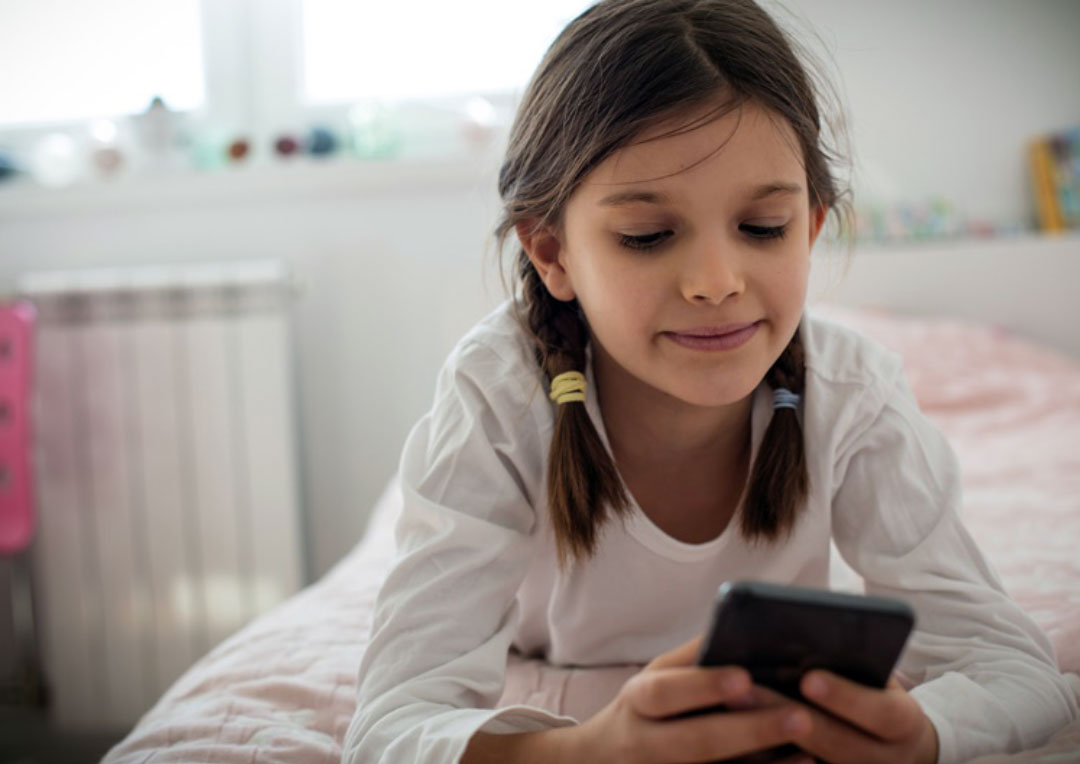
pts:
[166, 464]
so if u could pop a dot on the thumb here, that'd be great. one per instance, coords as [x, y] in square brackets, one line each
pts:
[683, 655]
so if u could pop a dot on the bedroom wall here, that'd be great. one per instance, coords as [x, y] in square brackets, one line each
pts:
[942, 96]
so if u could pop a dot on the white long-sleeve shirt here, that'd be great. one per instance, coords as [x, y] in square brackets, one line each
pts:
[476, 572]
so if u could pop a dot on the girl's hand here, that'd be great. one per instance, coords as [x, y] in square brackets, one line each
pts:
[863, 725]
[636, 728]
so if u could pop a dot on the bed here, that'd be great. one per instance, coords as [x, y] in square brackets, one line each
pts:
[283, 688]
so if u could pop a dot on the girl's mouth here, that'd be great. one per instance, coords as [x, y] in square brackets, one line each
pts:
[714, 338]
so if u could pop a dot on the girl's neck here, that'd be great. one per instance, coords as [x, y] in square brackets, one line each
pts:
[652, 431]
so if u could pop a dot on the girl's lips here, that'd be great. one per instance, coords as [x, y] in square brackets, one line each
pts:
[721, 338]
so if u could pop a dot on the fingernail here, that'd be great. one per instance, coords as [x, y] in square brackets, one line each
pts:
[796, 723]
[815, 686]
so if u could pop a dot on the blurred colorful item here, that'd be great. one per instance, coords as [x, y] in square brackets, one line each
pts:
[479, 123]
[8, 168]
[209, 148]
[322, 141]
[374, 132]
[159, 134]
[55, 160]
[934, 219]
[239, 149]
[287, 146]
[1055, 177]
[105, 153]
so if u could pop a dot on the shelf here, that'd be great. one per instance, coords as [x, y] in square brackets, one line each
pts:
[301, 179]
[960, 245]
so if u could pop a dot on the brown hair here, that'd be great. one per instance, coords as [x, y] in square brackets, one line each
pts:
[619, 67]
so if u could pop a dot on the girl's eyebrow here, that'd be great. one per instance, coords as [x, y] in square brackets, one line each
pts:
[779, 187]
[630, 197]
[621, 198]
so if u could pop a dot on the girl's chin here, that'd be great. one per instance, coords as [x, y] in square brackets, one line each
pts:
[712, 397]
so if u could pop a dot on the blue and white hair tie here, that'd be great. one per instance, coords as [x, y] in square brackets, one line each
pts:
[782, 398]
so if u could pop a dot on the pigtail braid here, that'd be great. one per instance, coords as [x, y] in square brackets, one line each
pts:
[582, 480]
[779, 482]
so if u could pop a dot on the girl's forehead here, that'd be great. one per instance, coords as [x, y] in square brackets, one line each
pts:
[745, 146]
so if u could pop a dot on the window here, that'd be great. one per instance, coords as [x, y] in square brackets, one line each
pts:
[263, 69]
[65, 61]
[356, 50]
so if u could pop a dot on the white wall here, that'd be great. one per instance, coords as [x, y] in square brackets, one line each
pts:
[389, 280]
[943, 95]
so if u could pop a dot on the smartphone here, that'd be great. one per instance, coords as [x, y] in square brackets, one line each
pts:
[778, 633]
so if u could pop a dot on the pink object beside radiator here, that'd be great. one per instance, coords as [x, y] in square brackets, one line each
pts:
[16, 484]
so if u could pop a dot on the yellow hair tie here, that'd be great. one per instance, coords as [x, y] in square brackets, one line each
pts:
[568, 386]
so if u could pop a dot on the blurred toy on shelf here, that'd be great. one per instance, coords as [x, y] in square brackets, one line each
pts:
[107, 161]
[929, 220]
[106, 156]
[478, 128]
[55, 161]
[8, 168]
[1054, 162]
[287, 146]
[239, 149]
[209, 149]
[158, 141]
[322, 141]
[374, 131]
[160, 136]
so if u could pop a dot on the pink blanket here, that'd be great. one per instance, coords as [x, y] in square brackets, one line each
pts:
[283, 688]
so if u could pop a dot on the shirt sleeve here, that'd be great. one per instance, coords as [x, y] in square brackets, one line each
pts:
[987, 676]
[446, 615]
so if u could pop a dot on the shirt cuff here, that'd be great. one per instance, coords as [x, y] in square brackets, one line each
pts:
[945, 736]
[507, 720]
[951, 693]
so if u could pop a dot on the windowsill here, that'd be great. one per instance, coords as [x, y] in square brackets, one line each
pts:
[300, 178]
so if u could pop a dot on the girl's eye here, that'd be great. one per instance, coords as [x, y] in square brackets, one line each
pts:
[644, 241]
[764, 232]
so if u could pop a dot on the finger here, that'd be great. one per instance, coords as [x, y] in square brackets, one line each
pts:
[797, 758]
[836, 742]
[759, 696]
[721, 736]
[659, 694]
[683, 655]
[902, 680]
[890, 714]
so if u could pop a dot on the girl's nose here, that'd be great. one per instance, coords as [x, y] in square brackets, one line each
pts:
[711, 275]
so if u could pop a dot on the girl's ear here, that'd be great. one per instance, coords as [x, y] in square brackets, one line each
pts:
[817, 220]
[545, 251]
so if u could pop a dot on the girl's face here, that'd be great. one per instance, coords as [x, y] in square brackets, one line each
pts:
[689, 255]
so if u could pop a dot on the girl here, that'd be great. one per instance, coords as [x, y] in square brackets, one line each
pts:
[655, 414]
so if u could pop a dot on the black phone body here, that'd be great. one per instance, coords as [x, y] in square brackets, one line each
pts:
[779, 633]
